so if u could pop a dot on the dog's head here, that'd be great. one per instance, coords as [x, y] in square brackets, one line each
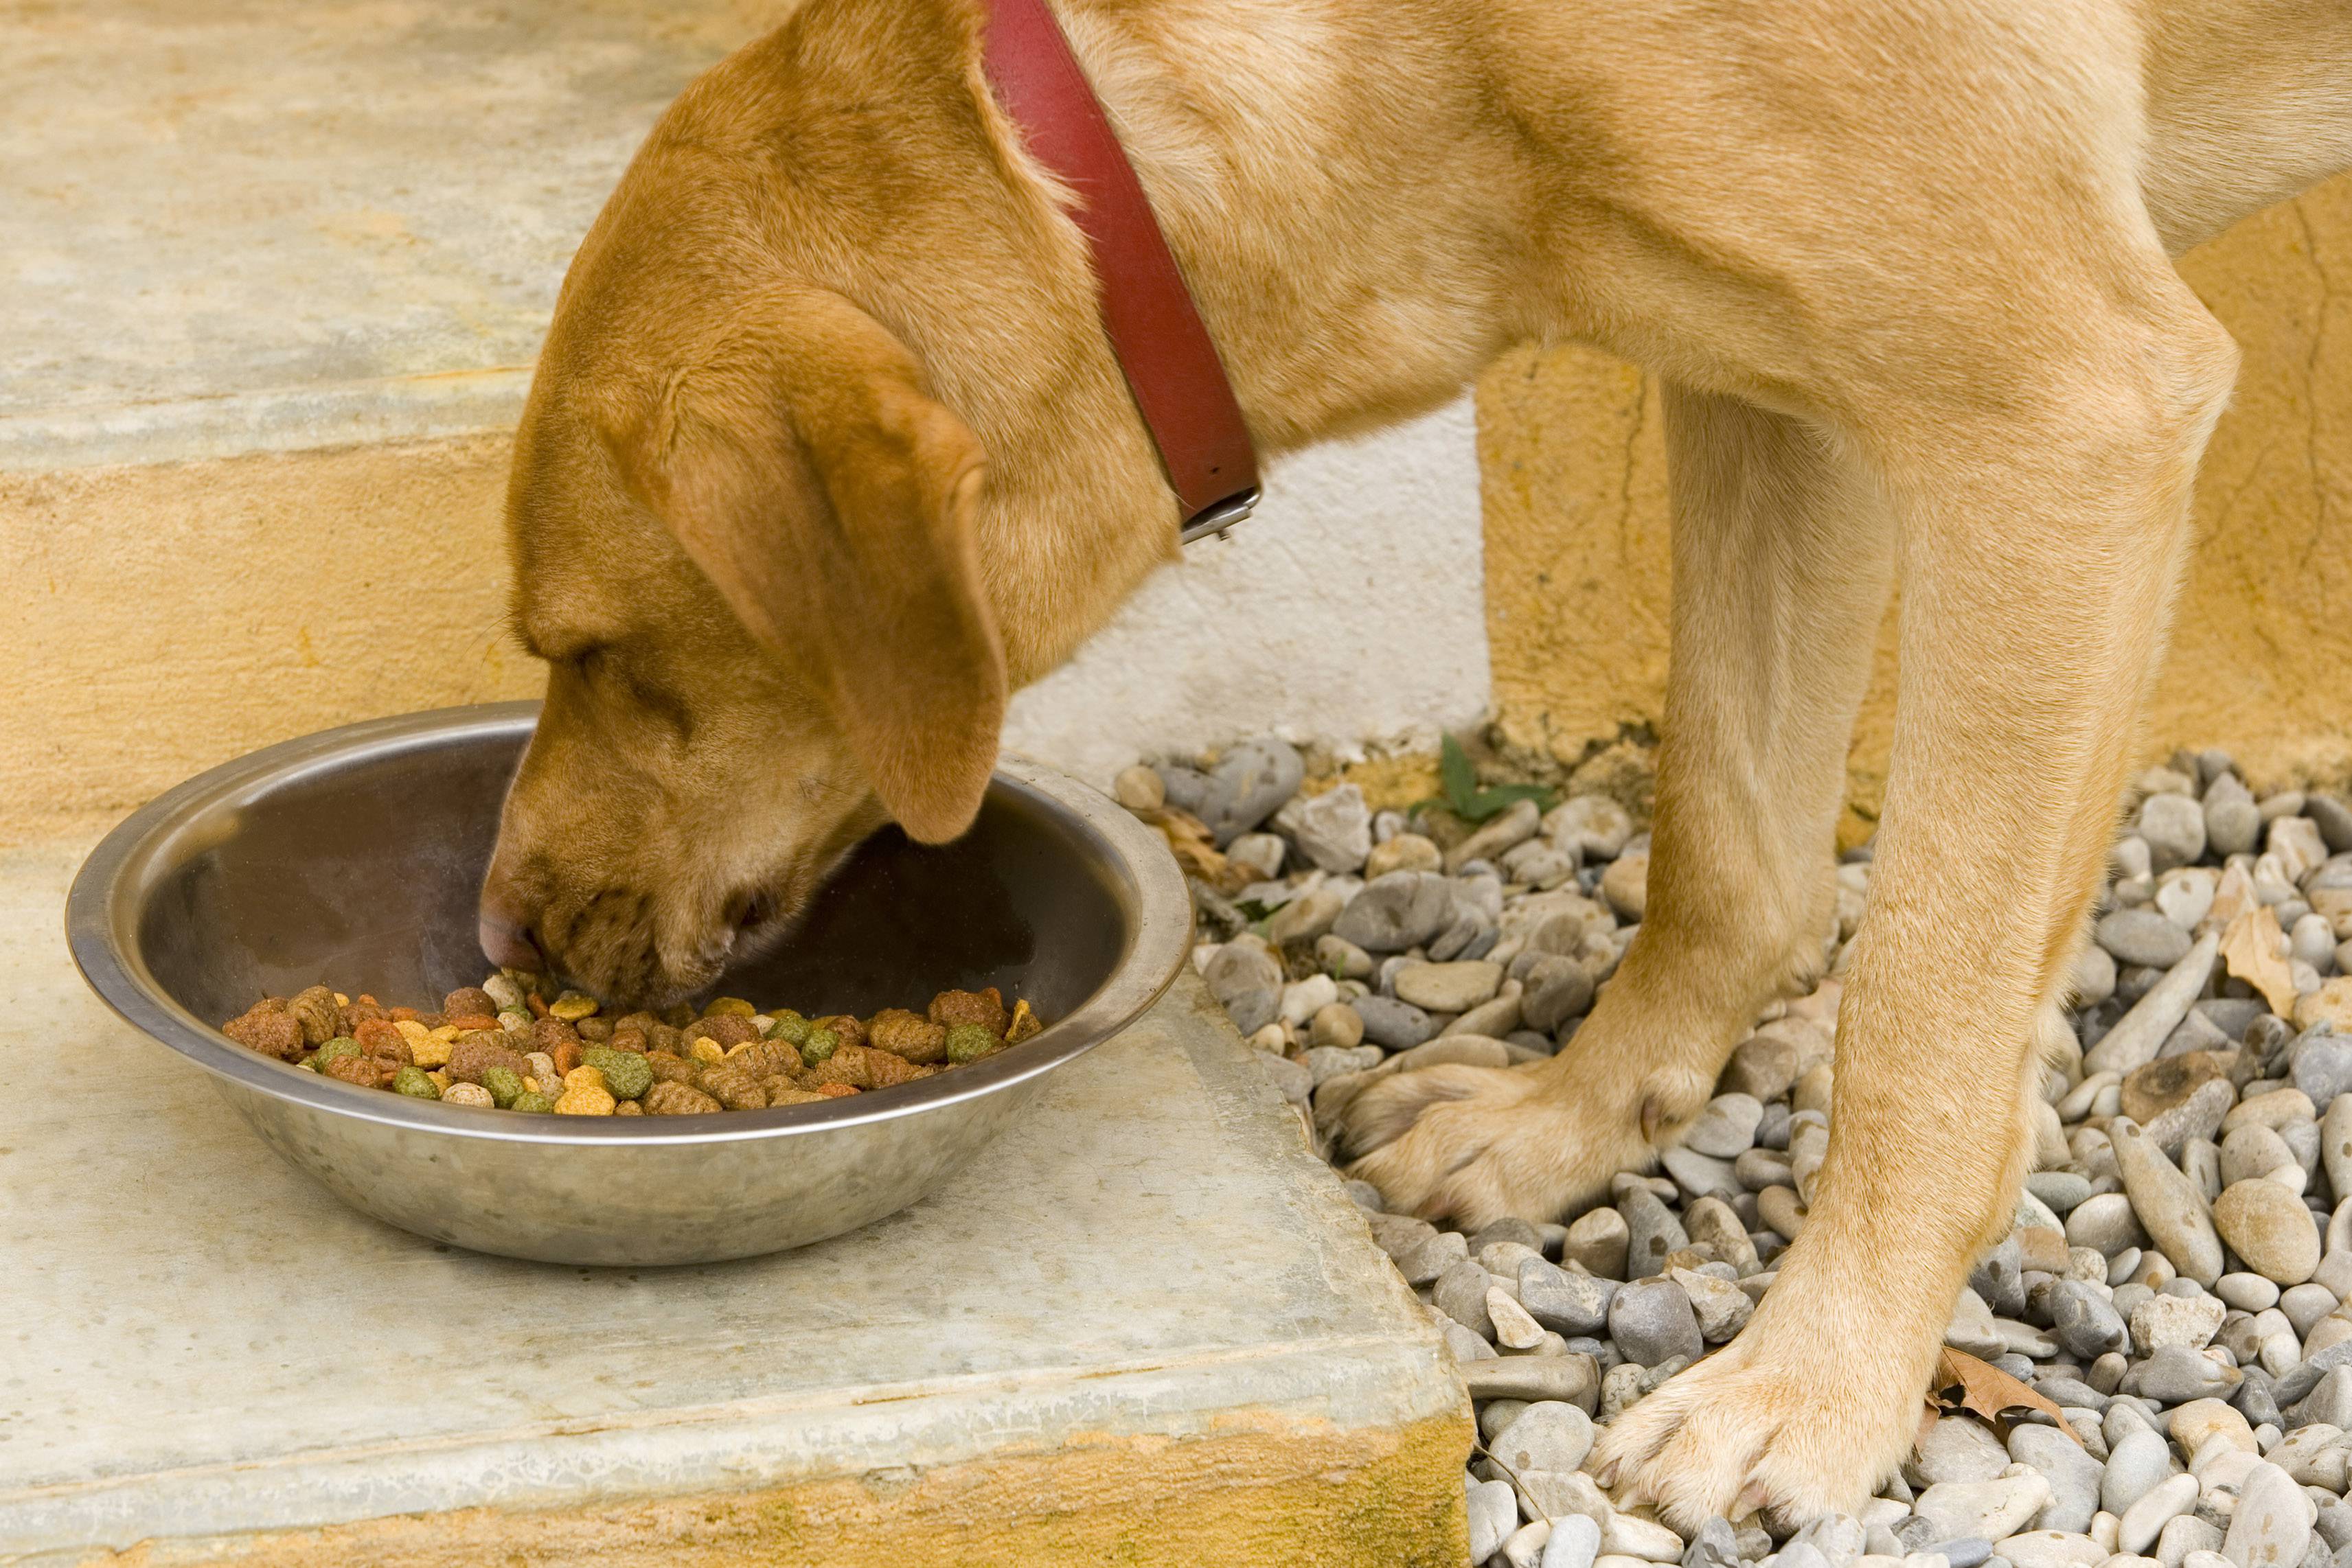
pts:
[752, 539]
[752, 578]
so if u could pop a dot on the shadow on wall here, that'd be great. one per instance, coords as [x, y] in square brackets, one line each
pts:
[1348, 608]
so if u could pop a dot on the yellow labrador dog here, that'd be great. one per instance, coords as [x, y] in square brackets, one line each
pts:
[828, 454]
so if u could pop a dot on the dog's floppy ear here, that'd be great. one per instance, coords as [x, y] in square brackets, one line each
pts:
[807, 471]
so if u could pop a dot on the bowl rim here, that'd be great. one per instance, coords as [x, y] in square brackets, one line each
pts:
[101, 919]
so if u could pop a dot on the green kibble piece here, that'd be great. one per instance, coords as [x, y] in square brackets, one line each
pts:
[505, 1085]
[626, 1074]
[971, 1042]
[417, 1084]
[789, 1026]
[816, 1044]
[334, 1050]
[533, 1100]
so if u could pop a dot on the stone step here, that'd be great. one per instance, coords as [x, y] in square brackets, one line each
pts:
[1144, 1326]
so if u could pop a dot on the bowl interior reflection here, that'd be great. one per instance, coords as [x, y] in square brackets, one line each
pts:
[362, 873]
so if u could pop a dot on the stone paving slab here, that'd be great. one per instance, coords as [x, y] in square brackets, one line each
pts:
[204, 1348]
[245, 225]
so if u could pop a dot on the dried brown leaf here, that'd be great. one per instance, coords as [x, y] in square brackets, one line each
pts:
[1195, 849]
[2251, 949]
[1984, 1389]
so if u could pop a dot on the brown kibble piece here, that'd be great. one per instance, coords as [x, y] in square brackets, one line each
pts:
[631, 1040]
[272, 1033]
[863, 1066]
[385, 1046]
[985, 1008]
[595, 1030]
[672, 1069]
[361, 1011]
[783, 1091]
[662, 1037]
[320, 1016]
[834, 1090]
[734, 1088]
[907, 1035]
[468, 1001]
[730, 1028]
[359, 1069]
[566, 1054]
[628, 1108]
[475, 1054]
[852, 1031]
[470, 1022]
[548, 1033]
[678, 1100]
[769, 1059]
[1024, 1025]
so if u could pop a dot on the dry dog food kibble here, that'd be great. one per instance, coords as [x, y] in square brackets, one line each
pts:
[503, 1045]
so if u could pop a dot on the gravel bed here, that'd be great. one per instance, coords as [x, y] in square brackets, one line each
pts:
[2178, 1279]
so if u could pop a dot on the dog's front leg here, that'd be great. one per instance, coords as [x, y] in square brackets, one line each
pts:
[2040, 540]
[1782, 548]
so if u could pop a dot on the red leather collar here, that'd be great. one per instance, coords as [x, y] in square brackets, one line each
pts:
[1173, 370]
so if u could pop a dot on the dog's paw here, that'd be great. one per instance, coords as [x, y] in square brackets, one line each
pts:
[1788, 1419]
[1475, 1144]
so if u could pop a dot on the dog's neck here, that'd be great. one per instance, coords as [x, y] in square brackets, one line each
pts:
[1349, 215]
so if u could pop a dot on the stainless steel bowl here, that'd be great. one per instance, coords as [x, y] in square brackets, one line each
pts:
[353, 857]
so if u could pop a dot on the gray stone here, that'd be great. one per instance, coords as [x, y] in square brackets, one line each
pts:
[1461, 1295]
[1399, 1026]
[2271, 1525]
[1423, 1262]
[2329, 1401]
[2105, 1222]
[2333, 819]
[2269, 1227]
[1448, 987]
[1575, 1543]
[1551, 1435]
[1721, 1307]
[1701, 1176]
[2083, 1321]
[2169, 1319]
[1955, 1448]
[2137, 1463]
[2141, 1032]
[1559, 988]
[2074, 1477]
[2323, 1068]
[1994, 1509]
[2198, 1117]
[1515, 826]
[1245, 787]
[2143, 936]
[2174, 829]
[1571, 1304]
[1727, 1127]
[2061, 1191]
[1334, 829]
[1494, 1515]
[2176, 1375]
[2168, 1205]
[1652, 1322]
[2233, 823]
[1652, 1231]
[1403, 909]
[1573, 1377]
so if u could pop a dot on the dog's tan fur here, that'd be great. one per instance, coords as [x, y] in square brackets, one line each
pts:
[828, 454]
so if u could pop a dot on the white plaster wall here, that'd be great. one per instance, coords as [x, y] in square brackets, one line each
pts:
[1351, 608]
